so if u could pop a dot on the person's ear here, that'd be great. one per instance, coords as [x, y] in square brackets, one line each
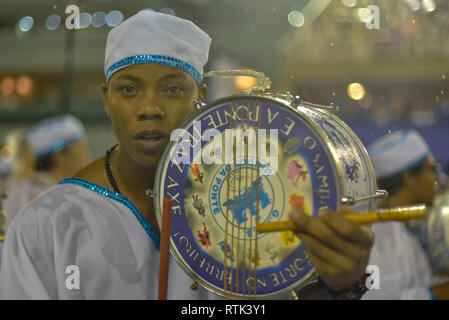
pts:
[202, 92]
[105, 89]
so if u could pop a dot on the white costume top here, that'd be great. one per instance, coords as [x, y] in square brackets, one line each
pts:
[23, 192]
[404, 268]
[102, 233]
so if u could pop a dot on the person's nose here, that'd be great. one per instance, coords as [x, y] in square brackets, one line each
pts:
[149, 109]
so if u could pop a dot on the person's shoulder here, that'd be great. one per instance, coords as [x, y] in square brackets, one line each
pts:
[48, 201]
[94, 172]
[55, 207]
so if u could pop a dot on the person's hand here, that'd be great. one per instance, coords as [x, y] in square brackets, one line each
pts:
[338, 247]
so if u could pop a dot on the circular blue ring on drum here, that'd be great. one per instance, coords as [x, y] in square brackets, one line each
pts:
[324, 162]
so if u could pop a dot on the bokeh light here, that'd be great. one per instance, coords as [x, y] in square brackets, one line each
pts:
[364, 14]
[414, 4]
[26, 23]
[7, 86]
[98, 19]
[114, 18]
[85, 20]
[53, 22]
[356, 91]
[429, 5]
[244, 82]
[349, 3]
[24, 85]
[296, 19]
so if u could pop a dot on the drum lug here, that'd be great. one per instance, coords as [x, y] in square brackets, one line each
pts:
[292, 295]
[332, 107]
[351, 200]
[150, 193]
[194, 286]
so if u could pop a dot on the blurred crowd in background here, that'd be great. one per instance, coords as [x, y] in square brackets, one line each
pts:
[384, 74]
[385, 77]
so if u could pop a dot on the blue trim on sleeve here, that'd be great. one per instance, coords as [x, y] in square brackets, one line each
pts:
[119, 198]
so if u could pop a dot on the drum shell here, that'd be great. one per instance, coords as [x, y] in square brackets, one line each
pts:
[350, 161]
[355, 170]
[437, 235]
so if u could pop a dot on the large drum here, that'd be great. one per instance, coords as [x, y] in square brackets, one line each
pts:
[248, 159]
[437, 235]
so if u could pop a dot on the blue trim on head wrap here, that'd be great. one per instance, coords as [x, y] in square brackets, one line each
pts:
[153, 59]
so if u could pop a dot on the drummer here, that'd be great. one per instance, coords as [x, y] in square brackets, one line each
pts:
[95, 236]
[406, 168]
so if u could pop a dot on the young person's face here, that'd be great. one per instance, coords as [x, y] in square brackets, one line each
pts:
[424, 185]
[145, 103]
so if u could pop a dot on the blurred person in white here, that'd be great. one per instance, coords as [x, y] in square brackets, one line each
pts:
[53, 149]
[153, 68]
[5, 171]
[405, 167]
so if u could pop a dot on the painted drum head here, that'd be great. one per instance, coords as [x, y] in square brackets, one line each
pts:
[221, 187]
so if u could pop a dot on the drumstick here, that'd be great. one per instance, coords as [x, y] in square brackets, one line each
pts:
[393, 214]
[164, 253]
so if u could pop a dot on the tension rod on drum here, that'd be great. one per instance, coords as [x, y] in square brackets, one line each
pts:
[393, 214]
[351, 200]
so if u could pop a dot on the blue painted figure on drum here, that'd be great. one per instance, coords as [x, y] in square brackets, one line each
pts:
[229, 254]
[247, 201]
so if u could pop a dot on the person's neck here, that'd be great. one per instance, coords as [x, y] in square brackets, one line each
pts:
[130, 175]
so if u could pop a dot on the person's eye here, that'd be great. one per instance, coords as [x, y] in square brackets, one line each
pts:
[175, 90]
[127, 90]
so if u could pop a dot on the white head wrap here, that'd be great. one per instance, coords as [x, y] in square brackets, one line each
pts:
[54, 134]
[157, 38]
[397, 152]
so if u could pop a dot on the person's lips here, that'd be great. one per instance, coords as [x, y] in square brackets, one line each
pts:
[150, 135]
[151, 140]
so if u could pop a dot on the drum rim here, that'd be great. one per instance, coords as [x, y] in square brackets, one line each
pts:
[373, 183]
[158, 200]
[435, 220]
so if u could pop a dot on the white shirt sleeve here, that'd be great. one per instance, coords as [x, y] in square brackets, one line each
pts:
[19, 195]
[402, 264]
[27, 271]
